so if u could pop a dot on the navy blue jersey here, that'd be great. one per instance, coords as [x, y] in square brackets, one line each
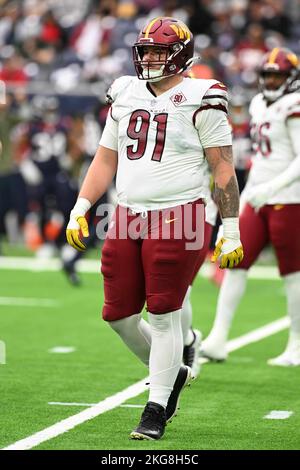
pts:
[48, 145]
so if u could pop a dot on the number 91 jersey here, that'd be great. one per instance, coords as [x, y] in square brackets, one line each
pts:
[275, 131]
[161, 140]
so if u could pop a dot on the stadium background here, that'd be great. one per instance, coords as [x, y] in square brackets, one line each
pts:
[57, 59]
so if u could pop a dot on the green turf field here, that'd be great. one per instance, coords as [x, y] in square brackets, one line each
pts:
[224, 408]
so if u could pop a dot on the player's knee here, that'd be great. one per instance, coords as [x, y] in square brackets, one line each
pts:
[125, 324]
[117, 325]
[111, 314]
[162, 303]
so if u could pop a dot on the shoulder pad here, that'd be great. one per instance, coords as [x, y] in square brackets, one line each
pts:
[117, 87]
[254, 102]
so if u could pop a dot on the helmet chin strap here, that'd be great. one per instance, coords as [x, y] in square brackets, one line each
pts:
[155, 75]
[273, 95]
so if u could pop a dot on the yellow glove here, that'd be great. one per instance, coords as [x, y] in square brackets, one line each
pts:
[78, 222]
[73, 231]
[230, 253]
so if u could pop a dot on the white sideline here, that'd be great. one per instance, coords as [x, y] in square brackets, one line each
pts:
[28, 302]
[136, 389]
[93, 266]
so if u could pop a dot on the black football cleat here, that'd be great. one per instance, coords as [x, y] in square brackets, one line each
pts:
[152, 424]
[191, 353]
[183, 378]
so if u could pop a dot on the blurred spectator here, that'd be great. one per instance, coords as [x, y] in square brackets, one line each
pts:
[251, 49]
[13, 70]
[275, 18]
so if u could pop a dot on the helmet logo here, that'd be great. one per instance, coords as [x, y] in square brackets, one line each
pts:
[178, 99]
[181, 30]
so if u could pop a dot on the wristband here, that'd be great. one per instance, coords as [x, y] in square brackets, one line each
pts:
[81, 207]
[231, 228]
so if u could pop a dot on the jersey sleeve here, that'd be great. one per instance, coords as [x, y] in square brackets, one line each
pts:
[293, 111]
[117, 87]
[293, 123]
[109, 138]
[211, 119]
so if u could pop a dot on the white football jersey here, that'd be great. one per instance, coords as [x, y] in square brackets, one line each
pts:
[275, 131]
[161, 140]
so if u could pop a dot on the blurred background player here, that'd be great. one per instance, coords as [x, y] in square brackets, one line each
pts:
[13, 194]
[272, 202]
[41, 146]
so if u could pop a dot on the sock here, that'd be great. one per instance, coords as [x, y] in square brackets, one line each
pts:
[165, 355]
[231, 292]
[292, 287]
[136, 334]
[186, 319]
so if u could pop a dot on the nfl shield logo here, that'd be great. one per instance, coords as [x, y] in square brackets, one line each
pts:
[178, 98]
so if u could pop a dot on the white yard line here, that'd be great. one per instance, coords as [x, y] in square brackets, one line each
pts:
[69, 423]
[128, 405]
[28, 302]
[61, 403]
[62, 350]
[134, 390]
[255, 335]
[93, 266]
[279, 414]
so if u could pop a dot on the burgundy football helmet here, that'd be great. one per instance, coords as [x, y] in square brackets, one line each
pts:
[175, 46]
[281, 61]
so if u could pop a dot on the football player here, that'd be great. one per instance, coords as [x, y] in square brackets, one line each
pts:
[44, 164]
[272, 195]
[161, 131]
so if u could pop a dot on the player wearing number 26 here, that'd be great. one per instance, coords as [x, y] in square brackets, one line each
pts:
[272, 195]
[162, 132]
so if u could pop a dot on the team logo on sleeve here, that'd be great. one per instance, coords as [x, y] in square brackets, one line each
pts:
[178, 98]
